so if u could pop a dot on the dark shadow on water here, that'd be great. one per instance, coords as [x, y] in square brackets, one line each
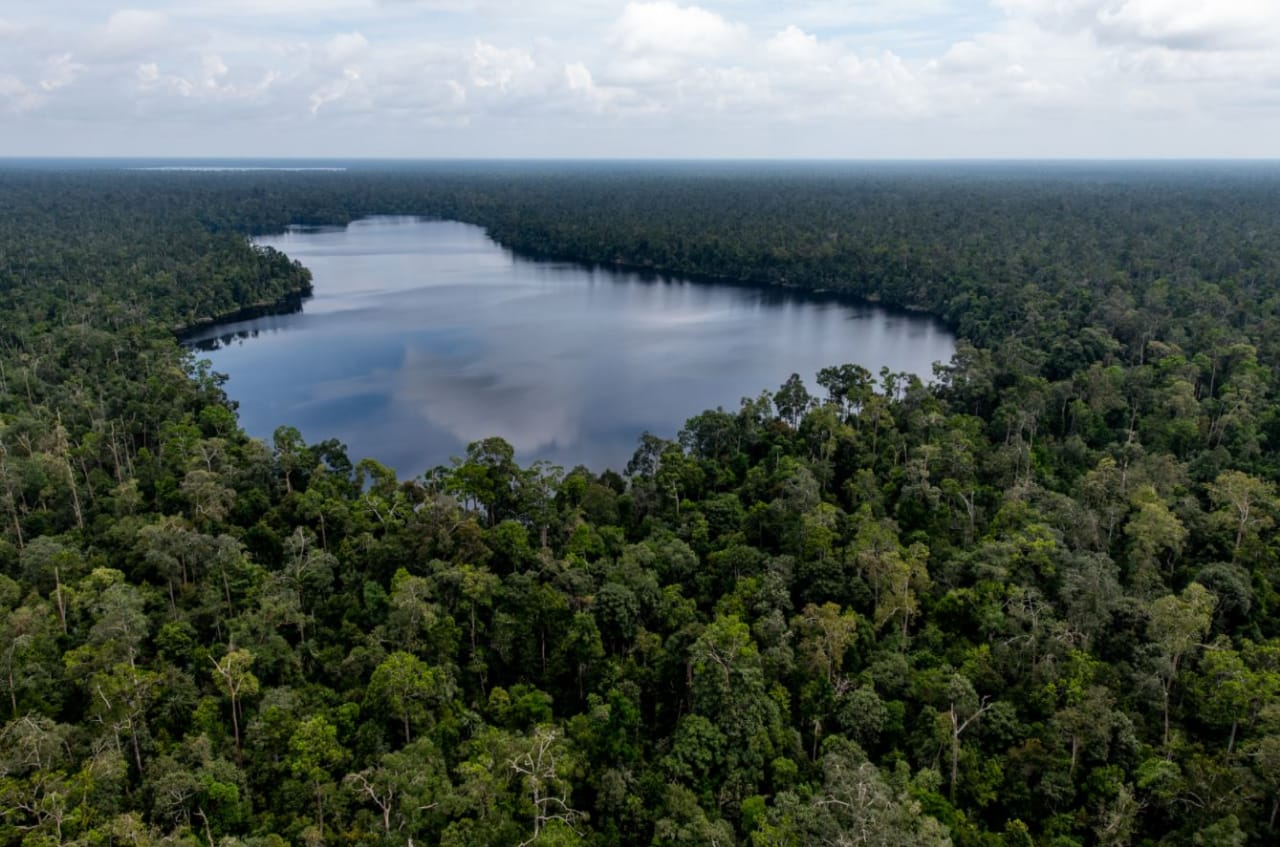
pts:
[208, 336]
[768, 293]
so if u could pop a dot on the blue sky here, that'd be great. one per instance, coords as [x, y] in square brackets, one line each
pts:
[649, 78]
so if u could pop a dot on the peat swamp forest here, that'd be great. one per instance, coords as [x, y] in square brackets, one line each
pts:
[1032, 601]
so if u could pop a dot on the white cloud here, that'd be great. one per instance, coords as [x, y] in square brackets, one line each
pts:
[334, 91]
[1194, 24]
[211, 82]
[671, 77]
[1178, 24]
[15, 96]
[495, 67]
[580, 81]
[421, 84]
[60, 71]
[343, 49]
[1117, 60]
[662, 27]
[598, 99]
[238, 9]
[794, 46]
[129, 32]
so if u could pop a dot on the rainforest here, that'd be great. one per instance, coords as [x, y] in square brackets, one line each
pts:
[1032, 598]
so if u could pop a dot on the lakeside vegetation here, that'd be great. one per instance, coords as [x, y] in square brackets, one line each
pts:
[1035, 602]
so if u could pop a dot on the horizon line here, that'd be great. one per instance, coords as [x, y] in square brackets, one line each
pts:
[655, 159]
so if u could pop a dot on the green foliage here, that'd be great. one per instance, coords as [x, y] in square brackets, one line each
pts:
[1034, 602]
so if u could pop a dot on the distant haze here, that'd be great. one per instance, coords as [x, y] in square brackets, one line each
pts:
[652, 78]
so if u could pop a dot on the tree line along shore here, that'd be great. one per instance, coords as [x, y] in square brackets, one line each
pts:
[1032, 601]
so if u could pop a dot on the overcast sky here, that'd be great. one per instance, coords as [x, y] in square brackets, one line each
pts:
[652, 78]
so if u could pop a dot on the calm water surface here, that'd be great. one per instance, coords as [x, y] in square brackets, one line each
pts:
[424, 335]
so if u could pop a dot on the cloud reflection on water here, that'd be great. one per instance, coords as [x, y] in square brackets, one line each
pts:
[497, 398]
[424, 336]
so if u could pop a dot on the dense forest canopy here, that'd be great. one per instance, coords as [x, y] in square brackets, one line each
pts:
[1032, 602]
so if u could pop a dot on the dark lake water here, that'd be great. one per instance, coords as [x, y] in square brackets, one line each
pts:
[423, 336]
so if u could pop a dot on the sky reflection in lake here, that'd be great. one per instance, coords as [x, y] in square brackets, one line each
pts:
[423, 336]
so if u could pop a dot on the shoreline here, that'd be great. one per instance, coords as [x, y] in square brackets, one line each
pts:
[285, 305]
[838, 293]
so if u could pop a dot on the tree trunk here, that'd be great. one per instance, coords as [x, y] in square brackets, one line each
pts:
[1166, 715]
[955, 752]
[137, 749]
[208, 833]
[17, 527]
[226, 591]
[62, 606]
[955, 765]
[235, 731]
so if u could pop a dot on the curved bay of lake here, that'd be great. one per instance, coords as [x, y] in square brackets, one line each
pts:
[424, 336]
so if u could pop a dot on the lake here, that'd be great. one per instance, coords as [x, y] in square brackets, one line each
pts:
[423, 336]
